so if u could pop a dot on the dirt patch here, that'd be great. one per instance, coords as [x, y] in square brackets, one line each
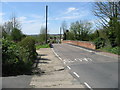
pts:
[55, 74]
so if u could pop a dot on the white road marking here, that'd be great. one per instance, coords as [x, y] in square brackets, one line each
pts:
[88, 86]
[68, 67]
[80, 60]
[75, 59]
[56, 54]
[89, 59]
[85, 59]
[76, 74]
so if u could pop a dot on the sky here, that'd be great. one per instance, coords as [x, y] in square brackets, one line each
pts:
[31, 15]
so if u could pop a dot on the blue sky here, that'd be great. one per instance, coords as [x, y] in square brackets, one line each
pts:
[32, 15]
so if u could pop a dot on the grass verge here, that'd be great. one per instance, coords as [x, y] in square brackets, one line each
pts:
[114, 50]
[42, 46]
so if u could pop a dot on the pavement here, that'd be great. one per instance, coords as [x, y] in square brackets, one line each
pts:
[21, 81]
[55, 74]
[93, 69]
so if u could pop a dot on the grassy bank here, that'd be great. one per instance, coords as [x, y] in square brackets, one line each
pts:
[42, 46]
[115, 50]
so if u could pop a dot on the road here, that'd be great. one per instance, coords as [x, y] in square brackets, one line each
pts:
[89, 67]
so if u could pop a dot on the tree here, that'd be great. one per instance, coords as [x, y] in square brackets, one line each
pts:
[42, 35]
[16, 35]
[11, 24]
[64, 28]
[73, 29]
[8, 26]
[81, 30]
[109, 14]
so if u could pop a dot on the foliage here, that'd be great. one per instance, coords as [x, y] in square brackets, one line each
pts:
[18, 58]
[16, 35]
[81, 30]
[12, 61]
[115, 50]
[99, 42]
[42, 46]
[109, 21]
[28, 51]
[42, 36]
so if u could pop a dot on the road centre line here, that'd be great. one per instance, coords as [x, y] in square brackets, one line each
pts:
[76, 74]
[68, 67]
[88, 86]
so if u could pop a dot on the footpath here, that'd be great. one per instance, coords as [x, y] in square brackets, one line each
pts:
[54, 73]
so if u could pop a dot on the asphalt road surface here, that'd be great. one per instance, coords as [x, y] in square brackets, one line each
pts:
[89, 67]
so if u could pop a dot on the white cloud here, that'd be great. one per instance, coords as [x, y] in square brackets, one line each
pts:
[36, 16]
[1, 14]
[1, 17]
[71, 9]
[33, 28]
[21, 19]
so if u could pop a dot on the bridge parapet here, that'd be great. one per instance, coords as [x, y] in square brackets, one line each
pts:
[81, 43]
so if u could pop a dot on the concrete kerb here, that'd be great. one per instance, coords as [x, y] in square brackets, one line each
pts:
[57, 55]
[64, 63]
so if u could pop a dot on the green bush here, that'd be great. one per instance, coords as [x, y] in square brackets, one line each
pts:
[16, 35]
[99, 42]
[9, 52]
[28, 50]
[116, 50]
[18, 58]
[12, 64]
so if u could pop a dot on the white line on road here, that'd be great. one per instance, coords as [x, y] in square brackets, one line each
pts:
[85, 59]
[76, 74]
[68, 67]
[88, 86]
[80, 60]
[56, 54]
[75, 59]
[89, 59]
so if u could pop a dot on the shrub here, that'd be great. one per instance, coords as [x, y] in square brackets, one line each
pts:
[9, 52]
[28, 50]
[16, 35]
[18, 58]
[116, 50]
[99, 42]
[12, 64]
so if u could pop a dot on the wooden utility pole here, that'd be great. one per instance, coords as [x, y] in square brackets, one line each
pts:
[46, 22]
[60, 34]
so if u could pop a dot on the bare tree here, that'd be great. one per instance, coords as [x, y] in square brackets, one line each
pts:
[64, 26]
[11, 24]
[109, 14]
[107, 11]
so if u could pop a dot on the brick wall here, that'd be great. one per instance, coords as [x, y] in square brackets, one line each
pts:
[81, 43]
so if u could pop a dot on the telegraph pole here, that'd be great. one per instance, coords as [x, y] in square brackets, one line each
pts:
[60, 34]
[46, 22]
